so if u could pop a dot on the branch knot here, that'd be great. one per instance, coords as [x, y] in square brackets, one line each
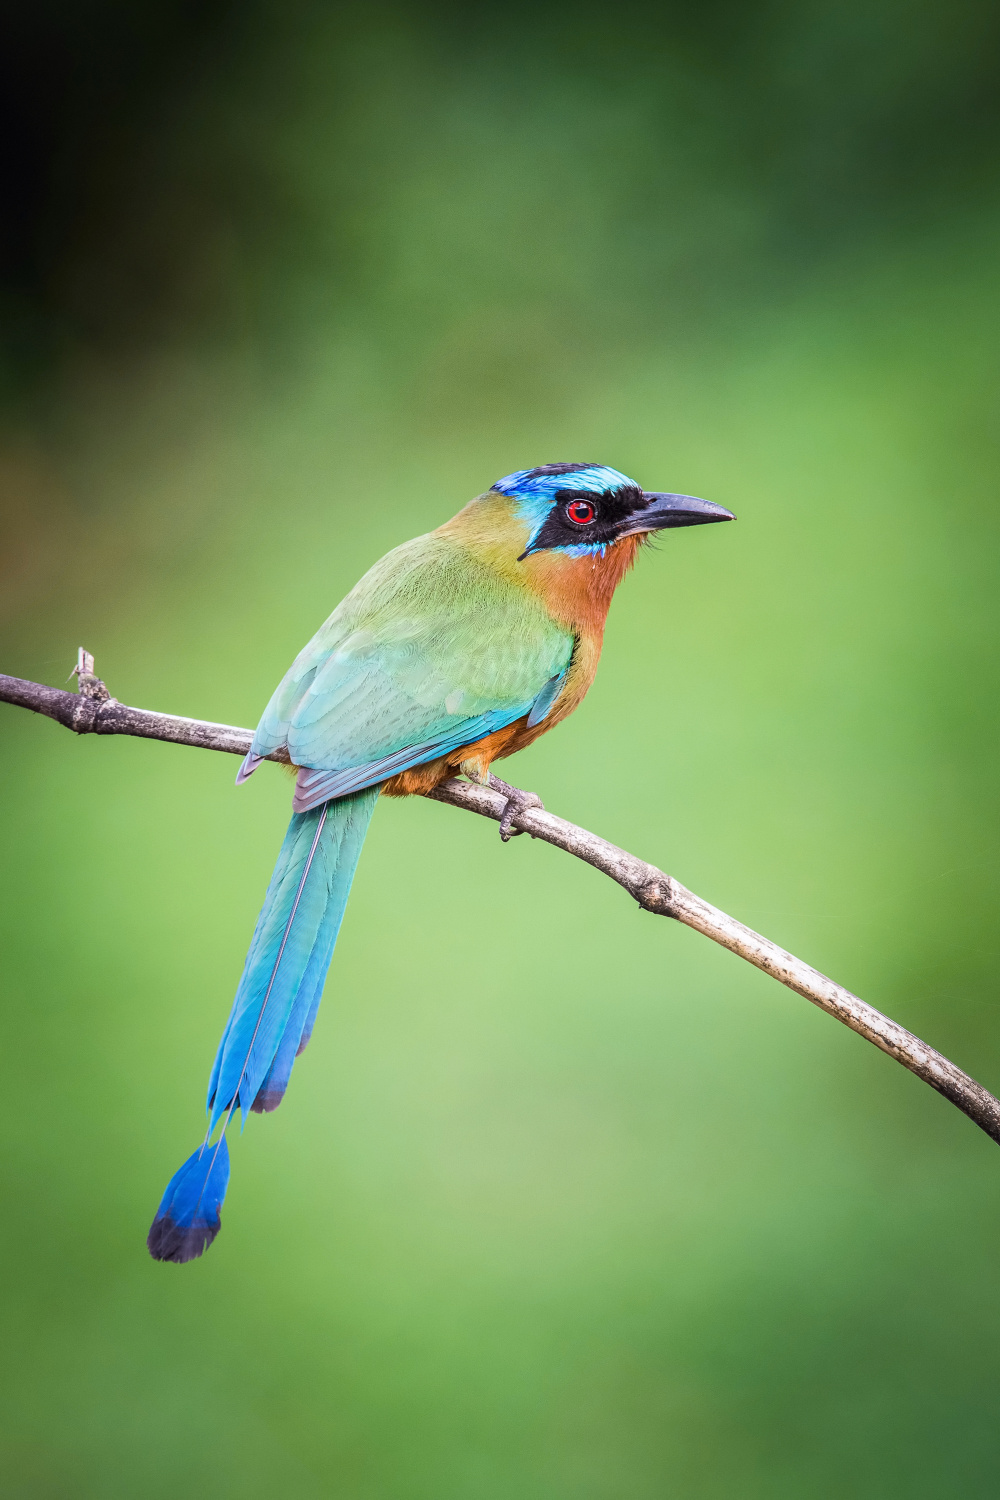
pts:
[658, 895]
[84, 716]
[92, 695]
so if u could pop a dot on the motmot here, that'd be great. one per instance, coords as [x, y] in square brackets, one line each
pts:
[454, 651]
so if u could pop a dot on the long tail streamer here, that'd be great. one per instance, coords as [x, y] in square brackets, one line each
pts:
[274, 1010]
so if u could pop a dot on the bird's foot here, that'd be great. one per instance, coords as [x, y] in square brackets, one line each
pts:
[517, 802]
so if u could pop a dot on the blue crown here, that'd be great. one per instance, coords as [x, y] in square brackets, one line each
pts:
[548, 479]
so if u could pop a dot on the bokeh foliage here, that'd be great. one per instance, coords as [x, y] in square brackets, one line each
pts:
[563, 1202]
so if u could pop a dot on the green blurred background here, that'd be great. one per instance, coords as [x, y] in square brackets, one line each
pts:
[564, 1201]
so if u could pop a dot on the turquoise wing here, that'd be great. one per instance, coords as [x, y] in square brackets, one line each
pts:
[431, 651]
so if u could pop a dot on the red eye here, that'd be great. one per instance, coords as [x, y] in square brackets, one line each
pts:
[581, 511]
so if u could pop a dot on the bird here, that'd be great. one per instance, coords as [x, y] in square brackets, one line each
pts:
[455, 650]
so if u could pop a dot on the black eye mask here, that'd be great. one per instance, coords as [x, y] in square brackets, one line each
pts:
[568, 524]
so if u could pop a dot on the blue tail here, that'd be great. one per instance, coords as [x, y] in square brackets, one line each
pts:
[275, 1006]
[187, 1219]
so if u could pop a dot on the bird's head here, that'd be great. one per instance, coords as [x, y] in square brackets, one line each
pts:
[570, 532]
[582, 510]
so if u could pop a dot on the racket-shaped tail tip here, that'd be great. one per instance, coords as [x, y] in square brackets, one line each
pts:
[188, 1218]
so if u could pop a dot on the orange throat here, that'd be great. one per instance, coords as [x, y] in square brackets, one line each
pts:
[578, 590]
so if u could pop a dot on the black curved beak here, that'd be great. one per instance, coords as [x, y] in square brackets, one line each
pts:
[662, 511]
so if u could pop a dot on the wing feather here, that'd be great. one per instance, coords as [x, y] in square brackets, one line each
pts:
[430, 651]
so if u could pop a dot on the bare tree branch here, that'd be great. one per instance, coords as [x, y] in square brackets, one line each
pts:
[93, 711]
